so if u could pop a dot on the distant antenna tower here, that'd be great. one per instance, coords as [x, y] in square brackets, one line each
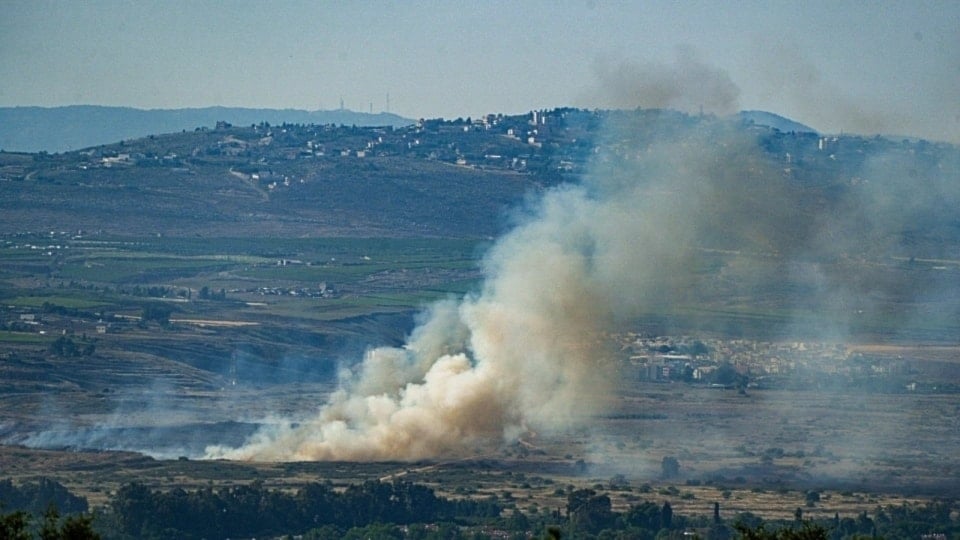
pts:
[341, 103]
[388, 102]
[233, 369]
[371, 107]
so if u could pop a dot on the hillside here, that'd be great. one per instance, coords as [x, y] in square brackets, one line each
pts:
[775, 121]
[61, 129]
[223, 275]
[458, 178]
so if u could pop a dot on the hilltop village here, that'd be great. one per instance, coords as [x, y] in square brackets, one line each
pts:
[434, 178]
[552, 144]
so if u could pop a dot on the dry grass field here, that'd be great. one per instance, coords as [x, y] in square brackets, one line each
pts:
[759, 451]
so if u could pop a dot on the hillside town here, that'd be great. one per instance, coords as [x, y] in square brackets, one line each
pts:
[553, 144]
[747, 363]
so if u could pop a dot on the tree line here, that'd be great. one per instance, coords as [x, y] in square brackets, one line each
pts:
[381, 510]
[137, 511]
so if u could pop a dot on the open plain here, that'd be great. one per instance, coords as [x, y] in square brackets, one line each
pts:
[770, 350]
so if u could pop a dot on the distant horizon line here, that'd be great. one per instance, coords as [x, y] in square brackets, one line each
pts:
[840, 132]
[347, 109]
[187, 108]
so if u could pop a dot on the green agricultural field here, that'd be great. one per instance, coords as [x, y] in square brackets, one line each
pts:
[75, 302]
[137, 269]
[23, 338]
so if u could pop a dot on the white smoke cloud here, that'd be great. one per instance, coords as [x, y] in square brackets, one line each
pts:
[527, 351]
[523, 353]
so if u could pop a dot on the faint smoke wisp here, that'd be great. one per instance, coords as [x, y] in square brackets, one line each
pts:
[688, 84]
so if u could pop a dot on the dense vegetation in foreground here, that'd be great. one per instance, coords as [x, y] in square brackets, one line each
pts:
[377, 509]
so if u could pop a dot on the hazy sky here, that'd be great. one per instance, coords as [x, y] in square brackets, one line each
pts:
[856, 66]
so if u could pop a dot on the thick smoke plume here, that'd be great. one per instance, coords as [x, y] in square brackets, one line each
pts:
[522, 354]
[526, 354]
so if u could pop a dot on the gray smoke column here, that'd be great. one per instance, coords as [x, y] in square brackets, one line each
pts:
[523, 353]
[687, 84]
[526, 352]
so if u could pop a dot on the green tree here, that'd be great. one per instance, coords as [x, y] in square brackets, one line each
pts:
[669, 467]
[13, 526]
[666, 515]
[374, 532]
[588, 511]
[16, 526]
[64, 346]
[50, 530]
[645, 516]
[727, 375]
[157, 312]
[807, 531]
[518, 521]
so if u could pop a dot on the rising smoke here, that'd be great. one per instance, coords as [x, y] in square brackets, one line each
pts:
[687, 84]
[788, 80]
[526, 353]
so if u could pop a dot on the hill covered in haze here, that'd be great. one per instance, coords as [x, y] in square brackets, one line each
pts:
[775, 121]
[460, 178]
[60, 129]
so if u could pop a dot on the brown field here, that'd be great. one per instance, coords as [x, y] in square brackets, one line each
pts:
[758, 452]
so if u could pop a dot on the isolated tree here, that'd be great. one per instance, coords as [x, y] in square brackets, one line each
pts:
[669, 467]
[699, 348]
[666, 515]
[643, 516]
[64, 346]
[588, 511]
[157, 312]
[726, 374]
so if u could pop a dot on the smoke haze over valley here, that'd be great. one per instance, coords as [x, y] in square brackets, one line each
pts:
[622, 228]
[525, 353]
[574, 264]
